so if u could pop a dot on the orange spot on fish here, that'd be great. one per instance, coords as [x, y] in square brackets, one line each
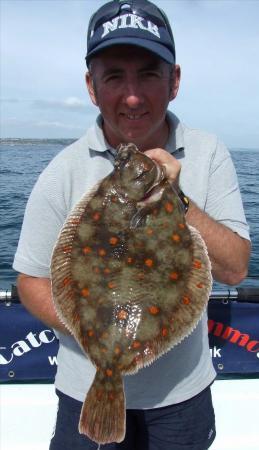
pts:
[87, 250]
[136, 361]
[109, 372]
[164, 331]
[104, 350]
[85, 292]
[186, 300]
[197, 264]
[111, 396]
[67, 281]
[74, 221]
[106, 270]
[176, 237]
[136, 344]
[169, 207]
[174, 276]
[200, 285]
[149, 231]
[96, 270]
[122, 314]
[90, 333]
[99, 394]
[102, 252]
[181, 226]
[96, 216]
[67, 249]
[130, 260]
[149, 262]
[113, 240]
[153, 310]
[111, 285]
[117, 350]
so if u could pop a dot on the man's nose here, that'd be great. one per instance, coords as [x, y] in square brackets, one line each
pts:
[133, 96]
[133, 101]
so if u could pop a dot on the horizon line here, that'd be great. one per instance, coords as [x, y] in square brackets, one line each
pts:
[76, 138]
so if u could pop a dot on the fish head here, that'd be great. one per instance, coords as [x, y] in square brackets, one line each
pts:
[137, 173]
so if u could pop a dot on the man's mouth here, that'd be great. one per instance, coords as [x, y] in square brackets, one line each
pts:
[134, 116]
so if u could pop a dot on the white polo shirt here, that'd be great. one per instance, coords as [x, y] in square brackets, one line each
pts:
[207, 176]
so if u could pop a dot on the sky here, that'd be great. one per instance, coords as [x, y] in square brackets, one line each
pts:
[42, 67]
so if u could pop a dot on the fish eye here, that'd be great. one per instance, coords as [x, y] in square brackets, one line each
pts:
[124, 154]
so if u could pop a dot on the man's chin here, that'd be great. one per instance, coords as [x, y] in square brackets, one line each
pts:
[135, 138]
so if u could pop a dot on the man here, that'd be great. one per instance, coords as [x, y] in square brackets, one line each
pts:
[132, 78]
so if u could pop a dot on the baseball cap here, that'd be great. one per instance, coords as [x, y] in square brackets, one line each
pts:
[132, 22]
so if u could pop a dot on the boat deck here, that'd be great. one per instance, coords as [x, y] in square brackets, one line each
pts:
[28, 411]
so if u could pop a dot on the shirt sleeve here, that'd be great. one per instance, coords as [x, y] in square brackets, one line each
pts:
[224, 202]
[44, 216]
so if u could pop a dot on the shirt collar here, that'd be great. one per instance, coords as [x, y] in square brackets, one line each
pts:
[175, 142]
[95, 136]
[97, 142]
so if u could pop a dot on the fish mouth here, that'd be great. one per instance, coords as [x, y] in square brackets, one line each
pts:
[155, 192]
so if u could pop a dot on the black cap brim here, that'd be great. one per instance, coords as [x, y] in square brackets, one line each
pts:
[154, 47]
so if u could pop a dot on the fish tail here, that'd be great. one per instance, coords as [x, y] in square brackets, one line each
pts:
[103, 413]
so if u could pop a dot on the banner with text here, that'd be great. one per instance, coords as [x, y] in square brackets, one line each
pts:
[28, 348]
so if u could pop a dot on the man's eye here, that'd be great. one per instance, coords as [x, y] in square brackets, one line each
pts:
[114, 77]
[150, 75]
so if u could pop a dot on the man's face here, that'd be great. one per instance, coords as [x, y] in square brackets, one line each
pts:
[132, 88]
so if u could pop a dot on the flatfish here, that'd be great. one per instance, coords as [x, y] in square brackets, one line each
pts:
[130, 280]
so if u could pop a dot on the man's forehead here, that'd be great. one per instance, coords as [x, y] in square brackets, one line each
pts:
[119, 54]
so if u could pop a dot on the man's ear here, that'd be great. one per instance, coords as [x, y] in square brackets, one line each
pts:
[90, 88]
[175, 82]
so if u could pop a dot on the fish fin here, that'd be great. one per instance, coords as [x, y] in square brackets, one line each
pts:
[61, 276]
[200, 253]
[197, 291]
[103, 413]
[139, 218]
[147, 205]
[195, 297]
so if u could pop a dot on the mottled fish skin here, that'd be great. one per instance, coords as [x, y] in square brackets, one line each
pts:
[130, 279]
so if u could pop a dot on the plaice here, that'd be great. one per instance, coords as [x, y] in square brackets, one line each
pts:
[130, 280]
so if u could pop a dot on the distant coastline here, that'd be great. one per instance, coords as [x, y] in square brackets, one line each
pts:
[68, 141]
[34, 141]
[244, 149]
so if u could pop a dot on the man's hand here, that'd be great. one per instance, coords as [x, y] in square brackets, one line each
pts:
[170, 163]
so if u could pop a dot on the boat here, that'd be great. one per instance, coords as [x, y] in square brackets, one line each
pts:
[28, 364]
